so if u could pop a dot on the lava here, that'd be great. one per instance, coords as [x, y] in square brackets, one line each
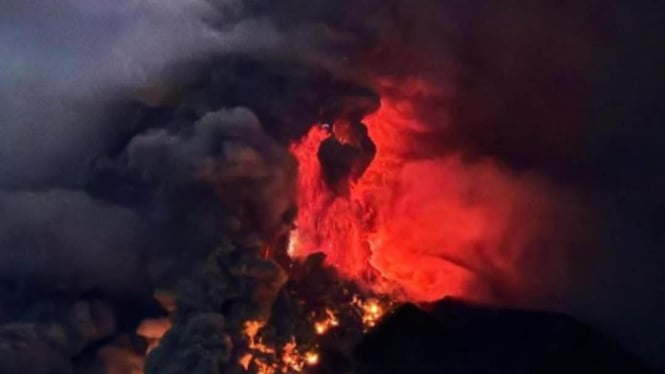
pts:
[294, 357]
[358, 233]
[371, 311]
[416, 227]
[267, 359]
[330, 321]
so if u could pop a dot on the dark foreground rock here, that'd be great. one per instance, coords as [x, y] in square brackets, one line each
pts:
[456, 337]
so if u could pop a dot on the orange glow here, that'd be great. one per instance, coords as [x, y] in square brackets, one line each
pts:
[245, 360]
[371, 311]
[153, 330]
[291, 358]
[121, 360]
[251, 330]
[311, 358]
[419, 228]
[265, 358]
[330, 321]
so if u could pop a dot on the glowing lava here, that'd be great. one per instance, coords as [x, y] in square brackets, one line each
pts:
[330, 321]
[371, 311]
[377, 227]
[265, 359]
[420, 228]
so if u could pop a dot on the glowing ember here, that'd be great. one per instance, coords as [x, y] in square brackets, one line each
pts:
[371, 310]
[291, 358]
[245, 361]
[251, 330]
[329, 322]
[311, 358]
[266, 360]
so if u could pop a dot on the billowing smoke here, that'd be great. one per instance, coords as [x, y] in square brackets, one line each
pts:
[64, 239]
[146, 142]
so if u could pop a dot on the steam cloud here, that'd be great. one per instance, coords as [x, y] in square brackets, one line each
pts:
[137, 136]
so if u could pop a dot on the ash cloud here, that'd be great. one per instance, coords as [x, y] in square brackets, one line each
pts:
[252, 175]
[65, 240]
[80, 80]
[111, 183]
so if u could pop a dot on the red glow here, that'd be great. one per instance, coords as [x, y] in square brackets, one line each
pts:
[423, 228]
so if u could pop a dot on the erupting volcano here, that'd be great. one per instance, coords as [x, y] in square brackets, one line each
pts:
[329, 187]
[416, 227]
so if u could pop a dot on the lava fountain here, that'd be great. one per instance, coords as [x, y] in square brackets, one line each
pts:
[418, 228]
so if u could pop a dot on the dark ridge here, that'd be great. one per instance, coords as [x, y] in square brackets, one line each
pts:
[459, 337]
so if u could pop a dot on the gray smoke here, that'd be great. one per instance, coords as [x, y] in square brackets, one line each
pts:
[110, 183]
[64, 239]
[74, 75]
